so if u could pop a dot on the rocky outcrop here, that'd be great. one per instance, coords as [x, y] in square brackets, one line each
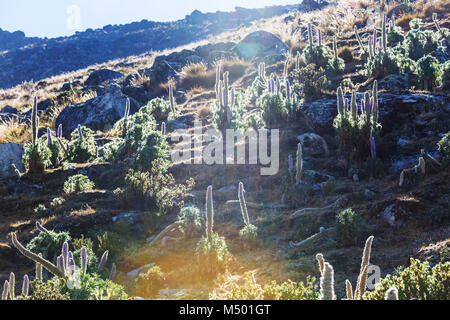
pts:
[101, 76]
[10, 153]
[100, 113]
[261, 44]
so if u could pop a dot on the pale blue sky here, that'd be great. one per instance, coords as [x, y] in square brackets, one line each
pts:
[50, 18]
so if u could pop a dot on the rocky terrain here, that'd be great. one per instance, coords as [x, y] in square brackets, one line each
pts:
[326, 198]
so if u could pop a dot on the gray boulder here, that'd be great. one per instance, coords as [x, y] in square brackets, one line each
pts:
[101, 76]
[261, 44]
[10, 153]
[100, 113]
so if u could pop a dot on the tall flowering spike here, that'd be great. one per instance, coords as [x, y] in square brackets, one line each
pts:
[327, 283]
[362, 278]
[277, 85]
[220, 94]
[229, 115]
[353, 106]
[297, 60]
[163, 128]
[40, 227]
[217, 85]
[39, 269]
[5, 290]
[391, 294]
[291, 162]
[375, 107]
[321, 261]
[80, 132]
[49, 137]
[25, 285]
[226, 81]
[288, 90]
[113, 272]
[349, 290]
[340, 100]
[12, 286]
[375, 41]
[103, 260]
[384, 35]
[209, 212]
[370, 45]
[127, 108]
[243, 204]
[335, 48]
[299, 162]
[355, 29]
[233, 98]
[225, 97]
[65, 254]
[59, 135]
[367, 106]
[171, 98]
[319, 37]
[373, 149]
[422, 165]
[60, 263]
[34, 121]
[393, 20]
[84, 259]
[310, 34]
[346, 105]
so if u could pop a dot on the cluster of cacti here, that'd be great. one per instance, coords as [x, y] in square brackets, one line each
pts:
[327, 277]
[357, 127]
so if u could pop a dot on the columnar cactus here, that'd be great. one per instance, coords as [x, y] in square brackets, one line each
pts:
[391, 294]
[384, 34]
[340, 101]
[244, 210]
[310, 35]
[25, 286]
[34, 121]
[37, 258]
[299, 162]
[349, 289]
[12, 286]
[354, 109]
[209, 213]
[327, 283]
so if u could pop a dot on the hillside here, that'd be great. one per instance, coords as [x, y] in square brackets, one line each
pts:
[360, 117]
[25, 59]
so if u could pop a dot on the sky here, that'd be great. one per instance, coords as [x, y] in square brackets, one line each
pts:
[54, 18]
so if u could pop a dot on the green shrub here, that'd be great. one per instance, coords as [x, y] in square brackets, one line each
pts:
[56, 202]
[346, 53]
[317, 55]
[429, 72]
[212, 254]
[446, 76]
[191, 221]
[49, 244]
[82, 149]
[155, 189]
[41, 211]
[153, 147]
[160, 109]
[274, 111]
[444, 254]
[249, 234]
[148, 284]
[309, 82]
[251, 290]
[394, 36]
[349, 226]
[92, 260]
[93, 287]
[417, 281]
[57, 152]
[36, 157]
[444, 149]
[419, 43]
[47, 291]
[336, 66]
[77, 184]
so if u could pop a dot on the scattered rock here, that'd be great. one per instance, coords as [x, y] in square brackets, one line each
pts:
[138, 271]
[313, 144]
[100, 113]
[10, 153]
[261, 44]
[101, 76]
[9, 109]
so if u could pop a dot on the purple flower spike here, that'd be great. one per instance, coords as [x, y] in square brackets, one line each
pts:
[60, 263]
[320, 37]
[113, 272]
[26, 285]
[40, 227]
[80, 132]
[347, 105]
[291, 162]
[65, 254]
[233, 98]
[49, 136]
[288, 89]
[103, 261]
[228, 114]
[278, 86]
[369, 106]
[59, 133]
[373, 149]
[83, 255]
[225, 97]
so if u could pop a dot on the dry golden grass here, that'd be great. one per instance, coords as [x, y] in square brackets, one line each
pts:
[204, 113]
[14, 131]
[195, 91]
[404, 20]
[427, 8]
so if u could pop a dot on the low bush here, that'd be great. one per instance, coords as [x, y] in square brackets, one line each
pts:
[77, 184]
